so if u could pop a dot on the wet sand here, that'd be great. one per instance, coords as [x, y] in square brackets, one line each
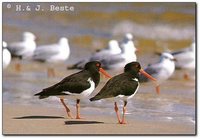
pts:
[34, 120]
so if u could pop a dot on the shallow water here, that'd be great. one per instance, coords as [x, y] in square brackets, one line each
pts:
[154, 27]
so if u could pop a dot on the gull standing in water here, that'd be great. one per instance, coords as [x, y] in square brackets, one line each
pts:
[51, 53]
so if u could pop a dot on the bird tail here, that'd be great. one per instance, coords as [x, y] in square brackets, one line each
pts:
[94, 98]
[41, 96]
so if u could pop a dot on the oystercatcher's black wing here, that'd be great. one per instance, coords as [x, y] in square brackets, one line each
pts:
[75, 83]
[119, 85]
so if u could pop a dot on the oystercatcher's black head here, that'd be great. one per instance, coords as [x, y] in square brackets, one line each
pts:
[95, 66]
[133, 67]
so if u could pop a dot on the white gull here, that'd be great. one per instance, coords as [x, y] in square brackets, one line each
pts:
[112, 49]
[24, 48]
[162, 70]
[6, 55]
[185, 57]
[127, 55]
[53, 52]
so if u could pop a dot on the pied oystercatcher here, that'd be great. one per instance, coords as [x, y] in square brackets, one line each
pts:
[123, 86]
[78, 86]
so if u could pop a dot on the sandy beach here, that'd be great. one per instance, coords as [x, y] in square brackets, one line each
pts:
[34, 120]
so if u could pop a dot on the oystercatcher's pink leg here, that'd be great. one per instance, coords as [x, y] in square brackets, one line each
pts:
[67, 109]
[124, 111]
[78, 109]
[117, 112]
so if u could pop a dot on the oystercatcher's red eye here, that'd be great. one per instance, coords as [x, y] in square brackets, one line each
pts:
[98, 65]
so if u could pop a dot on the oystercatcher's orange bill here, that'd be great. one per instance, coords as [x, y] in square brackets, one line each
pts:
[104, 73]
[147, 75]
[152, 78]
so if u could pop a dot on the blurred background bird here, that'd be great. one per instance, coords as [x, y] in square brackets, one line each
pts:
[23, 49]
[162, 70]
[53, 53]
[127, 55]
[6, 56]
[114, 55]
[186, 59]
[112, 49]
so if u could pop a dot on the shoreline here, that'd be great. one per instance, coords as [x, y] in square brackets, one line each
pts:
[36, 120]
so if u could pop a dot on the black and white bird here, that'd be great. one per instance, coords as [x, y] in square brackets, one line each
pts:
[78, 86]
[162, 70]
[123, 86]
[6, 55]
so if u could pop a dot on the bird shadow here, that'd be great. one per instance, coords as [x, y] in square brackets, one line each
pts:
[72, 122]
[39, 117]
[82, 122]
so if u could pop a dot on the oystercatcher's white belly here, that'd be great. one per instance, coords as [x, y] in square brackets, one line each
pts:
[125, 98]
[83, 94]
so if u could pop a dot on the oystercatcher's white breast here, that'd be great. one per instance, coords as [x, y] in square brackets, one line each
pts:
[87, 92]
